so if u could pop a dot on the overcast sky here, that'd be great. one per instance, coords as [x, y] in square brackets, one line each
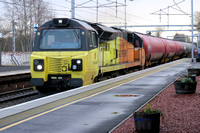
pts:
[138, 12]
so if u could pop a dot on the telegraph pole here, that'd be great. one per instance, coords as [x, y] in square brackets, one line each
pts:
[72, 8]
[192, 31]
[125, 13]
[0, 48]
[0, 54]
[97, 11]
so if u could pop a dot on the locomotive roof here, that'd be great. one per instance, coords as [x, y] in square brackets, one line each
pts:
[65, 22]
[84, 24]
[105, 28]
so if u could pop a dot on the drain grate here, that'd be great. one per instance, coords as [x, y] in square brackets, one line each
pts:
[127, 95]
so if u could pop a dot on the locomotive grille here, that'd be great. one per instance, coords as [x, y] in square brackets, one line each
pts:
[56, 64]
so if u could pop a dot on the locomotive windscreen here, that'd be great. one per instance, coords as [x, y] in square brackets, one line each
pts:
[60, 39]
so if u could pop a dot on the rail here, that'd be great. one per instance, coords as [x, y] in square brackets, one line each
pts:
[11, 95]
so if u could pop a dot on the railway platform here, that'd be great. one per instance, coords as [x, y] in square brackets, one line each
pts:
[94, 108]
[13, 70]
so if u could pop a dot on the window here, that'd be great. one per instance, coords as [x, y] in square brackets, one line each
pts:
[60, 39]
[92, 39]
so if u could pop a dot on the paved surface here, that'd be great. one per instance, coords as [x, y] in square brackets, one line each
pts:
[97, 108]
[13, 70]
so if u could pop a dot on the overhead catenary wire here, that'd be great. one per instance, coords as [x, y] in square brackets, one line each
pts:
[105, 13]
[101, 12]
[167, 8]
[78, 5]
[175, 6]
[127, 13]
[70, 9]
[179, 7]
[85, 18]
[171, 6]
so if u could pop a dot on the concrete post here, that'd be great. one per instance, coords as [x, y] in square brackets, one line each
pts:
[198, 45]
[72, 8]
[0, 48]
[0, 54]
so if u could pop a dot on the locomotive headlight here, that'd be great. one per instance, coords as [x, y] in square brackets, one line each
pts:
[78, 61]
[77, 65]
[38, 65]
[60, 21]
[74, 67]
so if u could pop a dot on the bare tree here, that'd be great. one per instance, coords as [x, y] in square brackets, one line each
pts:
[23, 14]
[5, 30]
[159, 32]
[197, 19]
[181, 38]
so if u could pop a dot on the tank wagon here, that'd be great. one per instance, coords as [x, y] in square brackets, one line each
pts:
[73, 53]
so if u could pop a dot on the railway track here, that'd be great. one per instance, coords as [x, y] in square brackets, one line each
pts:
[14, 82]
[16, 94]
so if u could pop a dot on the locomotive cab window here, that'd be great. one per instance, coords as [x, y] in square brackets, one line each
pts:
[92, 39]
[137, 41]
[130, 38]
[60, 39]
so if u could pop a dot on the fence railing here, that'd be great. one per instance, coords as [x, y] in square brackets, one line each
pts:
[14, 60]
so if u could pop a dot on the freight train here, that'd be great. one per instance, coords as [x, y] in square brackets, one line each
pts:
[73, 53]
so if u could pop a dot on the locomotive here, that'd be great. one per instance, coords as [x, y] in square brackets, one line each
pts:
[74, 53]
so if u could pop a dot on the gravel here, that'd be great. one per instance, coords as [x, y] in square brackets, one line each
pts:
[13, 68]
[181, 112]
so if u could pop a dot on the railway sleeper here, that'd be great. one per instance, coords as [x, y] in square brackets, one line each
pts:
[14, 86]
[11, 95]
[12, 79]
